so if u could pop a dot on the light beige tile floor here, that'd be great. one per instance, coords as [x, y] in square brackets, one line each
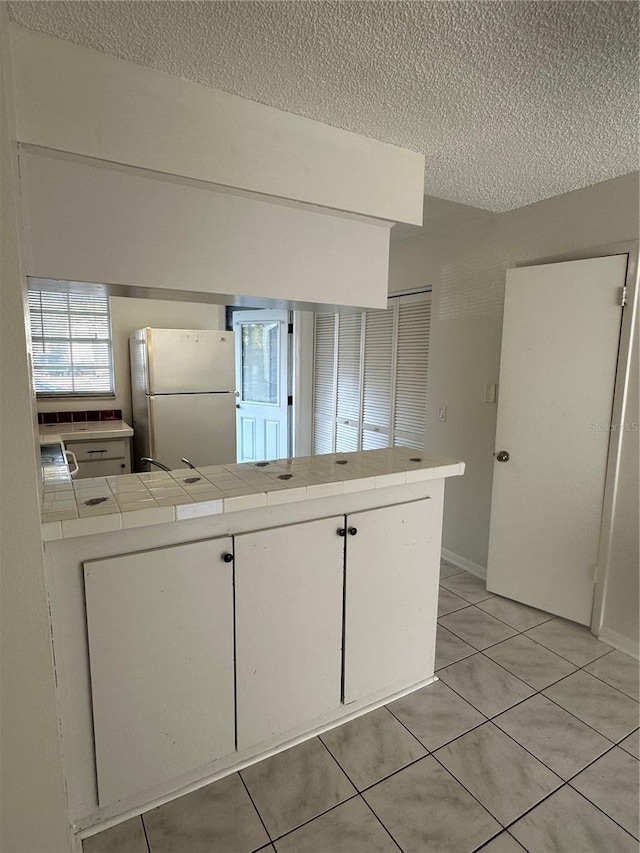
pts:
[515, 748]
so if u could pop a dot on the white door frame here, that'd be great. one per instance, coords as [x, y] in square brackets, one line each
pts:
[619, 414]
[302, 383]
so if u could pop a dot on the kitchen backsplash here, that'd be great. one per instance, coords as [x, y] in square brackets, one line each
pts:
[79, 417]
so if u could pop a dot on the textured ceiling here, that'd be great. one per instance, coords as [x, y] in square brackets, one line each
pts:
[511, 102]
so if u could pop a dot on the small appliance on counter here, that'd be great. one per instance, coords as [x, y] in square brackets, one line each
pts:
[183, 396]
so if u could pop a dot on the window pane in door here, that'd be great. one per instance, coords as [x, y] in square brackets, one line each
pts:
[260, 348]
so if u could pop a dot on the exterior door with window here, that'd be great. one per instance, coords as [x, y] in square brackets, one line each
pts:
[262, 369]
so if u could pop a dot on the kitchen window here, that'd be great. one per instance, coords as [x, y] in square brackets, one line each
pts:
[370, 377]
[71, 344]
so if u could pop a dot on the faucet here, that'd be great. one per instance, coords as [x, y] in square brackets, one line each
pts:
[149, 461]
[188, 464]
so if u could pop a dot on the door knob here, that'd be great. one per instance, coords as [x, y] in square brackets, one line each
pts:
[502, 456]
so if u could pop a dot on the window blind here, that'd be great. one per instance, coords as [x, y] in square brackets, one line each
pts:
[370, 378]
[71, 343]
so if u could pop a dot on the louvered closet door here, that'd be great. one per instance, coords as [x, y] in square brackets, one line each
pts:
[370, 379]
[324, 387]
[349, 383]
[377, 378]
[412, 364]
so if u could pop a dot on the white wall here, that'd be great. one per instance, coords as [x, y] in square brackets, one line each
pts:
[466, 267]
[87, 220]
[127, 314]
[32, 798]
[81, 101]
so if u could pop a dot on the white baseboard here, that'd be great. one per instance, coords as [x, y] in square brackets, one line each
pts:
[463, 563]
[620, 642]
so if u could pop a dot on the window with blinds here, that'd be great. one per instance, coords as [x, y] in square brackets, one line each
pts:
[370, 377]
[71, 343]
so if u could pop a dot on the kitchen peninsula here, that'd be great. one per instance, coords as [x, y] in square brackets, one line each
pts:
[204, 619]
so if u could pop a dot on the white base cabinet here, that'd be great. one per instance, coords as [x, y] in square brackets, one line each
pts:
[242, 643]
[289, 585]
[160, 628]
[108, 457]
[390, 597]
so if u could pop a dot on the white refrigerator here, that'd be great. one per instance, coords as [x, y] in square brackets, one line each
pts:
[183, 396]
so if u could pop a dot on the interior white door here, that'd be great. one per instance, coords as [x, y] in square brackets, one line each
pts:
[262, 374]
[289, 585]
[160, 627]
[557, 374]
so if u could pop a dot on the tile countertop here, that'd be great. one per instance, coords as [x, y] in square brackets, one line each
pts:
[84, 431]
[103, 504]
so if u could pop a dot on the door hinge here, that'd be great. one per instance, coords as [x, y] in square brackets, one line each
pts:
[623, 299]
[290, 329]
[289, 400]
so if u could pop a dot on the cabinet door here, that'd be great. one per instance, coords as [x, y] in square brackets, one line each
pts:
[391, 597]
[160, 628]
[289, 588]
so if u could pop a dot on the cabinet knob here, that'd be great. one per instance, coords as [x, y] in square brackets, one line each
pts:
[228, 558]
[342, 532]
[353, 531]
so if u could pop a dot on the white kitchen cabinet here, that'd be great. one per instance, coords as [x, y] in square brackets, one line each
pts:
[160, 630]
[391, 597]
[101, 458]
[289, 594]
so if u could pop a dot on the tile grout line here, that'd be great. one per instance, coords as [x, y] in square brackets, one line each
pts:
[557, 790]
[311, 819]
[431, 751]
[386, 829]
[487, 613]
[490, 646]
[601, 810]
[384, 778]
[521, 702]
[531, 628]
[565, 783]
[462, 785]
[246, 787]
[535, 693]
[341, 768]
[523, 633]
[146, 837]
